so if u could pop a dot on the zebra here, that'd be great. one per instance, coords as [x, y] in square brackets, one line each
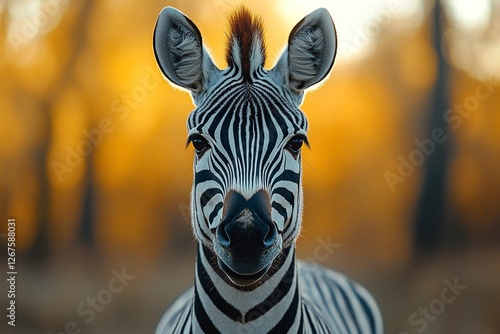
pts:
[246, 201]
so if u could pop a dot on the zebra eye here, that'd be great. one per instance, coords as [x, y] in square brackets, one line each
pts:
[200, 144]
[295, 144]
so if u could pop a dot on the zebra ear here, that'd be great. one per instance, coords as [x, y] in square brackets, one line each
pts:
[179, 51]
[311, 50]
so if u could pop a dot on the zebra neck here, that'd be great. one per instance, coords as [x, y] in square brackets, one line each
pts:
[270, 305]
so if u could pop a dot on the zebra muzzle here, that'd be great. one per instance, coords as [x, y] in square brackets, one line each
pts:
[247, 240]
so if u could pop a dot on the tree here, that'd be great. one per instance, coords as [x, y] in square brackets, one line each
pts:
[428, 226]
[40, 248]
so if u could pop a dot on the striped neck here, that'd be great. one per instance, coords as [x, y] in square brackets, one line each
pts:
[270, 305]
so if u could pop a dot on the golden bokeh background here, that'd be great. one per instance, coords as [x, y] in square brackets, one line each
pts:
[95, 171]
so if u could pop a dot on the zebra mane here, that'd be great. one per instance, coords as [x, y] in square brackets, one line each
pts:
[246, 47]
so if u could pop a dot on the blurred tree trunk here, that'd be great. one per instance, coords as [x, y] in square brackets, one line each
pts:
[41, 245]
[429, 220]
[86, 232]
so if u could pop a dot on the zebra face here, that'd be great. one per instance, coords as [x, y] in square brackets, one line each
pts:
[247, 131]
[246, 196]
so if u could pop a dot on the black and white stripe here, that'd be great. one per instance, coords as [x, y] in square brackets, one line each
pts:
[247, 129]
[296, 297]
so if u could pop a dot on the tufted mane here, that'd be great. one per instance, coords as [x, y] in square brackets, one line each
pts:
[246, 48]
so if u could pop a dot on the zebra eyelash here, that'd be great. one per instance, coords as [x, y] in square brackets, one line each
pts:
[193, 137]
[289, 144]
[199, 151]
[303, 138]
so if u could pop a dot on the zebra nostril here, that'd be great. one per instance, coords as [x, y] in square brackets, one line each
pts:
[222, 236]
[271, 237]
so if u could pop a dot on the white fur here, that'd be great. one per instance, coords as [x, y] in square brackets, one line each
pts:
[256, 54]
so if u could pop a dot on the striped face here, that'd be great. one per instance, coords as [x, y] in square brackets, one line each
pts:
[247, 131]
[247, 138]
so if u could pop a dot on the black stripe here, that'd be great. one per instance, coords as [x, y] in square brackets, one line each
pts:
[288, 319]
[295, 226]
[281, 210]
[366, 308]
[205, 175]
[350, 308]
[213, 294]
[186, 320]
[309, 320]
[205, 322]
[335, 301]
[275, 297]
[207, 195]
[215, 211]
[301, 326]
[287, 194]
[287, 175]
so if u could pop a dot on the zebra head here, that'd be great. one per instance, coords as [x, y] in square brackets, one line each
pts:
[247, 131]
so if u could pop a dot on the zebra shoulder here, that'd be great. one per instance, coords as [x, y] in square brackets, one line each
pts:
[177, 318]
[350, 305]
